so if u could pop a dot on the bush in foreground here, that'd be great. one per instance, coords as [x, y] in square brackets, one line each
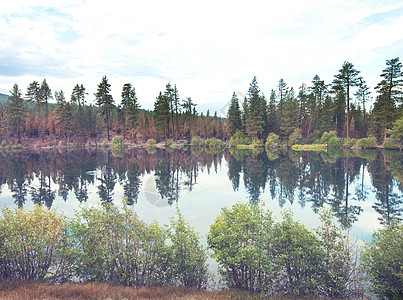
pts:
[101, 244]
[383, 261]
[32, 244]
[256, 254]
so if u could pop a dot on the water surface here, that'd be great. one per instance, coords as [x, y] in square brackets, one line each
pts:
[363, 188]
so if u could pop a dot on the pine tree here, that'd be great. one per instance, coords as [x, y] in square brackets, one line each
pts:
[289, 121]
[105, 101]
[130, 105]
[389, 95]
[255, 115]
[33, 94]
[363, 96]
[45, 94]
[347, 78]
[339, 107]
[234, 115]
[272, 123]
[188, 106]
[78, 95]
[162, 114]
[15, 112]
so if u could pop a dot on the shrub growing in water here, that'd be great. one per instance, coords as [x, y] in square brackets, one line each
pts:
[238, 238]
[117, 141]
[187, 256]
[32, 244]
[335, 142]
[197, 141]
[272, 140]
[118, 247]
[296, 137]
[284, 258]
[366, 143]
[215, 143]
[151, 143]
[383, 261]
[238, 138]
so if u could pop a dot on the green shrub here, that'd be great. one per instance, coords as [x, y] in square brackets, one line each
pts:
[311, 147]
[170, 142]
[383, 261]
[187, 256]
[366, 143]
[239, 138]
[335, 142]
[326, 136]
[197, 141]
[296, 137]
[239, 238]
[116, 246]
[117, 141]
[315, 137]
[272, 141]
[396, 133]
[215, 143]
[390, 144]
[298, 259]
[256, 143]
[32, 244]
[342, 276]
[151, 143]
[256, 254]
[351, 143]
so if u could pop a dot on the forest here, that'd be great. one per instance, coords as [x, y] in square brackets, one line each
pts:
[302, 116]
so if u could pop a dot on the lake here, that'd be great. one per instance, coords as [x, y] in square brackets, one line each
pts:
[363, 188]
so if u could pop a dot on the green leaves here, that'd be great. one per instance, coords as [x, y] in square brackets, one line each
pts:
[256, 254]
[31, 244]
[383, 262]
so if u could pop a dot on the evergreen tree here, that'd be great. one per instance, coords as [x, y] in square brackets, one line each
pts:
[162, 114]
[234, 115]
[188, 106]
[389, 95]
[282, 93]
[105, 101]
[339, 107]
[302, 110]
[176, 107]
[64, 115]
[78, 95]
[33, 94]
[319, 89]
[255, 115]
[272, 123]
[130, 105]
[289, 121]
[169, 96]
[45, 94]
[15, 112]
[363, 96]
[346, 79]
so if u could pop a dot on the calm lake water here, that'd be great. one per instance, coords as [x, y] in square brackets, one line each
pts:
[364, 189]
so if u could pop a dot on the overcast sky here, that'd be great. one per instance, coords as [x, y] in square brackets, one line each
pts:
[209, 49]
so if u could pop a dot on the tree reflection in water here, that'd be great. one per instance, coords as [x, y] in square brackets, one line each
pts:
[342, 180]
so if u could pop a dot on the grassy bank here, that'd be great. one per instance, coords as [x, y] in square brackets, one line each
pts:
[35, 290]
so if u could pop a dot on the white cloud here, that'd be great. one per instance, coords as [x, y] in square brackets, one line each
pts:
[209, 48]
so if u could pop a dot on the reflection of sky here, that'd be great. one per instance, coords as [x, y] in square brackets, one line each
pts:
[212, 192]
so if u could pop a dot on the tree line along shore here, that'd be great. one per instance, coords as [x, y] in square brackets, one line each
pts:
[335, 114]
